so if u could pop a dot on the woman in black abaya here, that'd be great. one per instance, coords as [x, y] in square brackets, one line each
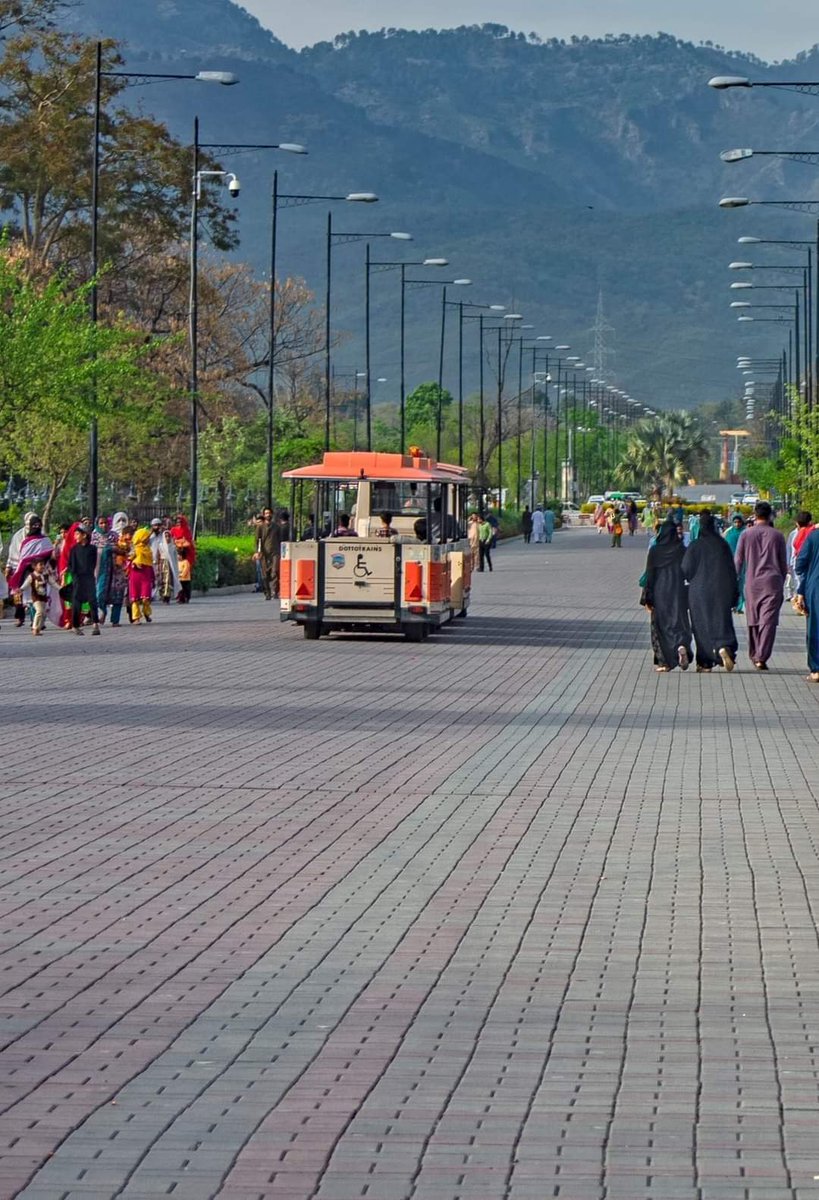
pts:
[664, 597]
[713, 591]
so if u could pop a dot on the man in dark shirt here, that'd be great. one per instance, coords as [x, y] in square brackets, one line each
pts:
[267, 549]
[82, 566]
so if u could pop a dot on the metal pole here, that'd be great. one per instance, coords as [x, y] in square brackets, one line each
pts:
[271, 365]
[481, 423]
[545, 428]
[809, 325]
[797, 339]
[500, 418]
[93, 441]
[327, 377]
[532, 484]
[557, 433]
[520, 417]
[441, 379]
[368, 365]
[460, 384]
[194, 331]
[402, 385]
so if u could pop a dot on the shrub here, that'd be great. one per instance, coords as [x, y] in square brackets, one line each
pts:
[223, 562]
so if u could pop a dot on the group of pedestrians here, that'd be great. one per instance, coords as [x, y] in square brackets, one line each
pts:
[692, 592]
[538, 526]
[482, 534]
[95, 569]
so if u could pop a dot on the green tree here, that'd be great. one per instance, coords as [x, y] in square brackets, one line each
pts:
[47, 81]
[421, 410]
[58, 371]
[663, 453]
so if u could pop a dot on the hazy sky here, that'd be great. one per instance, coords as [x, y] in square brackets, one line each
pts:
[770, 30]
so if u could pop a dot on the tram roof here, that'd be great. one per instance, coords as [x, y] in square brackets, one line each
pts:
[350, 465]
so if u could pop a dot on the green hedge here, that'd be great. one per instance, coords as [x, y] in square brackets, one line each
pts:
[224, 562]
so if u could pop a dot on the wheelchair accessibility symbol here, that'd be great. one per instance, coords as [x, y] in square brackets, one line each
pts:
[361, 570]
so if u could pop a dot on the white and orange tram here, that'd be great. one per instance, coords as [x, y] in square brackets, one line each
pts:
[411, 581]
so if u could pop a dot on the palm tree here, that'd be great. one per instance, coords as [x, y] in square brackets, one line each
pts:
[662, 453]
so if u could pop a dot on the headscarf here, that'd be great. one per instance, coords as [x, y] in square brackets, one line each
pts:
[142, 556]
[17, 540]
[708, 526]
[118, 522]
[181, 532]
[35, 548]
[100, 537]
[668, 548]
[69, 541]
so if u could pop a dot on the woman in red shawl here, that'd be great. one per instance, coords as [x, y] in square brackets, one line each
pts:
[63, 574]
[186, 553]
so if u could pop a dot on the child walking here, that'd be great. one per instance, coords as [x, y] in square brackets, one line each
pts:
[40, 584]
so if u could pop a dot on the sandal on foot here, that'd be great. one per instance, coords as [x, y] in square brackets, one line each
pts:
[683, 658]
[727, 659]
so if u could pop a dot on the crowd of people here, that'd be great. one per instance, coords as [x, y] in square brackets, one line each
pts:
[93, 570]
[695, 582]
[538, 526]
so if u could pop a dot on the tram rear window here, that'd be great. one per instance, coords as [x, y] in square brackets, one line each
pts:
[400, 498]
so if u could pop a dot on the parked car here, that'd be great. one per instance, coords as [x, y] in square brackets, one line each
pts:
[569, 506]
[596, 500]
[750, 498]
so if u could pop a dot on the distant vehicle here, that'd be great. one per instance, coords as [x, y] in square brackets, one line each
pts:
[737, 498]
[596, 500]
[570, 506]
[750, 498]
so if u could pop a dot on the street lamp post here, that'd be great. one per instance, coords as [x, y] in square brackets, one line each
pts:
[392, 266]
[221, 148]
[461, 305]
[290, 200]
[348, 239]
[810, 246]
[420, 283]
[226, 79]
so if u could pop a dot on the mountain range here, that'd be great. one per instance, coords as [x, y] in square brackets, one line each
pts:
[550, 173]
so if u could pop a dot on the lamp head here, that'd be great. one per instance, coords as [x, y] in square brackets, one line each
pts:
[513, 316]
[740, 266]
[720, 82]
[435, 262]
[731, 156]
[402, 237]
[362, 197]
[748, 241]
[462, 282]
[292, 147]
[226, 78]
[734, 202]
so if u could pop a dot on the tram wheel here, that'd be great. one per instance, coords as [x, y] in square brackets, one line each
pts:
[312, 631]
[414, 632]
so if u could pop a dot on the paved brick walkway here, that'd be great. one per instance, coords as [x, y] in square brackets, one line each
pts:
[504, 916]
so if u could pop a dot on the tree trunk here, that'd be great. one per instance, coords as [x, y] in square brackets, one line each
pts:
[55, 486]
